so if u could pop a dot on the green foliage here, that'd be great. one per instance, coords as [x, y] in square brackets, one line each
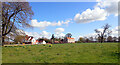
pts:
[62, 53]
[68, 35]
[78, 42]
[81, 40]
[19, 38]
[47, 40]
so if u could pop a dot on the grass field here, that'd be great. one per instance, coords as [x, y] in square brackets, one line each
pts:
[62, 53]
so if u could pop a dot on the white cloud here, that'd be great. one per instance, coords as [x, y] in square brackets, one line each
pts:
[115, 31]
[43, 24]
[100, 12]
[111, 6]
[59, 32]
[37, 35]
[45, 34]
[66, 22]
[91, 35]
[61, 35]
[89, 15]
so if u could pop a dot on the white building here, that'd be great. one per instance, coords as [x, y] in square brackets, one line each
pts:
[69, 40]
[30, 40]
[41, 42]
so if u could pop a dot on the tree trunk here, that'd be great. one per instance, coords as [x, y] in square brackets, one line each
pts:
[52, 41]
[101, 39]
[3, 41]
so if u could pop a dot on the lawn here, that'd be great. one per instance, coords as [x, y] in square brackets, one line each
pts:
[62, 53]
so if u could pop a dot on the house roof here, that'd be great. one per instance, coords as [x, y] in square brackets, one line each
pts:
[31, 38]
[28, 37]
[69, 38]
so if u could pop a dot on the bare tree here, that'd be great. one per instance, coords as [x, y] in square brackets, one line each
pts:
[102, 34]
[53, 38]
[14, 16]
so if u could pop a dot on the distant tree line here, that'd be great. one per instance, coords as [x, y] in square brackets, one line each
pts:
[91, 39]
[102, 36]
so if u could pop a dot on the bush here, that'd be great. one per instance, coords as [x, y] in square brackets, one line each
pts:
[78, 42]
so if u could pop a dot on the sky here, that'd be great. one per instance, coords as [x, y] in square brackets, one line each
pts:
[78, 18]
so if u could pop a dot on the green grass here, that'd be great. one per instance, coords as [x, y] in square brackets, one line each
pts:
[62, 53]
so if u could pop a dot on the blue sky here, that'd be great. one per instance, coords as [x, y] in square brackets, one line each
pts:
[62, 11]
